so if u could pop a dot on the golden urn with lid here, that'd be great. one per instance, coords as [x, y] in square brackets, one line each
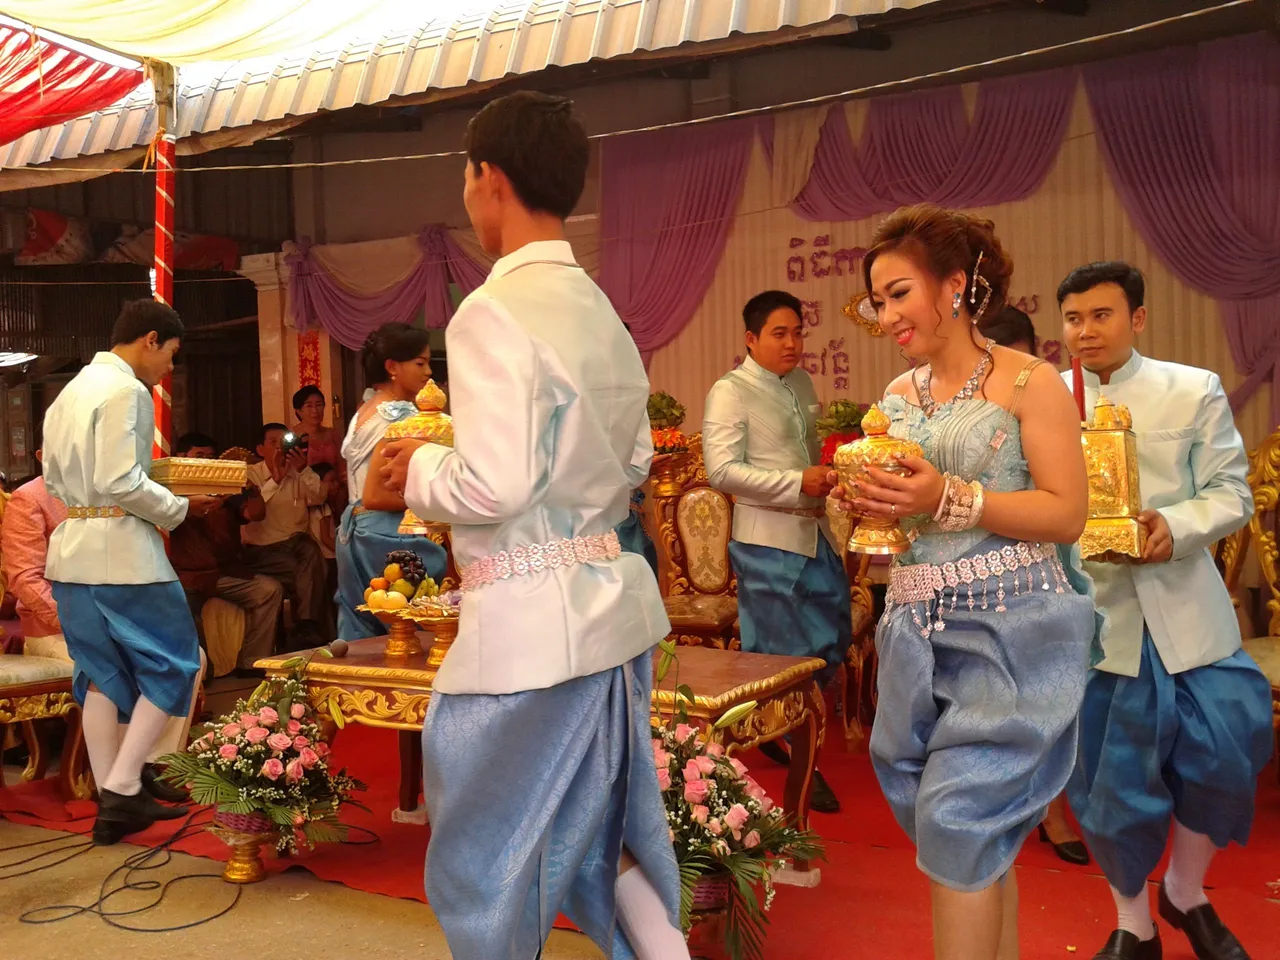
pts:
[875, 534]
[1115, 498]
[433, 425]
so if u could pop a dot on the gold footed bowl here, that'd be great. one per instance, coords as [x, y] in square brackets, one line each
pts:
[443, 630]
[874, 534]
[245, 834]
[402, 630]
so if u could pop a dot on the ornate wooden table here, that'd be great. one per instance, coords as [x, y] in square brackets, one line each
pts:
[375, 690]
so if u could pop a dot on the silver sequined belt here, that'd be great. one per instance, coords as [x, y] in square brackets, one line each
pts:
[521, 561]
[927, 582]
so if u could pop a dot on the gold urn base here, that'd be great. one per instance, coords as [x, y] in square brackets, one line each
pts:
[878, 538]
[402, 636]
[1112, 536]
[246, 864]
[443, 630]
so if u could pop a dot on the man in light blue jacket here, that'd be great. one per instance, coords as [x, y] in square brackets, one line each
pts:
[1176, 722]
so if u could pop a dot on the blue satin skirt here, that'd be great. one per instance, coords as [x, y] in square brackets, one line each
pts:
[129, 641]
[1156, 746]
[634, 539]
[363, 542]
[793, 605]
[976, 723]
[531, 798]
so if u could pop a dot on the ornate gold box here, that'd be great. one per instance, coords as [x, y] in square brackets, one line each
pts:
[1115, 499]
[187, 476]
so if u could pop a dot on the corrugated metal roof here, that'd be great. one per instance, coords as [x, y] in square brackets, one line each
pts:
[479, 47]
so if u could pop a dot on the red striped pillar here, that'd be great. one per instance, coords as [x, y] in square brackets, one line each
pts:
[166, 148]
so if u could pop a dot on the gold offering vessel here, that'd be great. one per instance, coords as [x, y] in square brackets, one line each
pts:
[433, 425]
[1111, 457]
[188, 476]
[403, 624]
[874, 534]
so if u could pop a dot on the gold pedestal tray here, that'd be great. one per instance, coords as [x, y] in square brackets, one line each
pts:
[402, 630]
[1115, 499]
[243, 836]
[874, 534]
[667, 473]
[403, 625]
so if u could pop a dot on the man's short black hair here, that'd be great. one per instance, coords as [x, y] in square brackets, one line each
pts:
[535, 139]
[189, 441]
[139, 317]
[267, 428]
[759, 307]
[1128, 278]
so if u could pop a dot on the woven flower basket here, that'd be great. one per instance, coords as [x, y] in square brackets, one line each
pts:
[244, 822]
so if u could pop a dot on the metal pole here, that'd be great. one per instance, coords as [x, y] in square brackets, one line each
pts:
[162, 76]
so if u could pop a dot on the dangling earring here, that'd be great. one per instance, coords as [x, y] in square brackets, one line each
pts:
[955, 307]
[973, 291]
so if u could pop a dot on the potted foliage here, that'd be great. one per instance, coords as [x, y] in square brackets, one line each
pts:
[729, 837]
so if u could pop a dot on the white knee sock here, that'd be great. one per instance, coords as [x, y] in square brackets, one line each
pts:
[145, 727]
[1134, 914]
[101, 722]
[644, 920]
[1184, 880]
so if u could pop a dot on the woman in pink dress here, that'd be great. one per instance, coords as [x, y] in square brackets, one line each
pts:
[324, 444]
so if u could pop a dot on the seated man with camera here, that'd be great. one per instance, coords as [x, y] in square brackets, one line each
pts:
[280, 545]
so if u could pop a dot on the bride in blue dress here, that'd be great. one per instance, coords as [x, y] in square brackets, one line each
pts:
[396, 363]
[985, 641]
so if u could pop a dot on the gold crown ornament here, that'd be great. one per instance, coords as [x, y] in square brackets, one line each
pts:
[874, 534]
[1115, 498]
[433, 425]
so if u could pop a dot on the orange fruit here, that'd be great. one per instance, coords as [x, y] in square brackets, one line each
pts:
[379, 583]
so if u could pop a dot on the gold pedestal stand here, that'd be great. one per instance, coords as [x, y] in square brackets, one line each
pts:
[245, 864]
[402, 631]
[1112, 531]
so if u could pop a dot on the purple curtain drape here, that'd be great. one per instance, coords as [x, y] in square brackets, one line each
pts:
[320, 301]
[922, 147]
[667, 204]
[1192, 143]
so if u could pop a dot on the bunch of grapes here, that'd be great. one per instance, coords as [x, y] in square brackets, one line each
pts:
[411, 567]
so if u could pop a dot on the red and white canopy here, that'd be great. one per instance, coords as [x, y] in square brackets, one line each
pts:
[46, 80]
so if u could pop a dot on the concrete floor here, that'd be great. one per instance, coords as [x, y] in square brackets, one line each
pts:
[291, 913]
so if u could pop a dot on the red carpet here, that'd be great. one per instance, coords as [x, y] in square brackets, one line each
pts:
[872, 904]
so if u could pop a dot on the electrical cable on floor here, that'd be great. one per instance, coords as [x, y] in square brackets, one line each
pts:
[146, 859]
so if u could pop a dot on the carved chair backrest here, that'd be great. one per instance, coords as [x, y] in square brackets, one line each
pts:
[1264, 481]
[4, 579]
[694, 525]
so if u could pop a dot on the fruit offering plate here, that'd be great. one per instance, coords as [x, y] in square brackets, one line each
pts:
[189, 476]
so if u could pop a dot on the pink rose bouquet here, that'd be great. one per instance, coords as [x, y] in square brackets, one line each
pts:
[250, 761]
[722, 823]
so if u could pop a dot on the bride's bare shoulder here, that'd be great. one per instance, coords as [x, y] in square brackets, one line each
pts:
[903, 385]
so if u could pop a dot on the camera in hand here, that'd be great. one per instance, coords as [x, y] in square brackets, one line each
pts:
[293, 441]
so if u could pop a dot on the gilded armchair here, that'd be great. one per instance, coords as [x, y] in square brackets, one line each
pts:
[1264, 481]
[856, 685]
[694, 522]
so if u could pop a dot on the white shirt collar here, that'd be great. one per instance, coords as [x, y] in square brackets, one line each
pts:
[1120, 376]
[537, 250]
[109, 358]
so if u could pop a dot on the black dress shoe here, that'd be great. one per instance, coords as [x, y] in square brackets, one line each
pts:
[822, 799]
[1208, 935]
[161, 789]
[1072, 851]
[120, 816]
[1123, 945]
